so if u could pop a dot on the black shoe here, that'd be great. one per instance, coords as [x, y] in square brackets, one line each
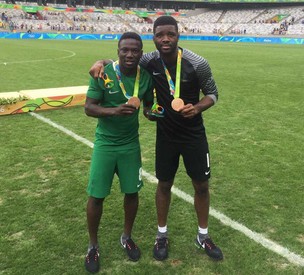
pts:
[131, 248]
[91, 262]
[160, 250]
[211, 249]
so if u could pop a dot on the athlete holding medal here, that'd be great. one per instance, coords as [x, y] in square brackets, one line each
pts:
[180, 77]
[114, 99]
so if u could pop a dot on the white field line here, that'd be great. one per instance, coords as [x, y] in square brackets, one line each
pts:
[257, 237]
[71, 54]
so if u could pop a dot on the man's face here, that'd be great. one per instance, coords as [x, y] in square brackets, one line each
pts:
[129, 52]
[165, 39]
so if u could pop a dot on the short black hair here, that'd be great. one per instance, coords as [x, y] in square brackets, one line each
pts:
[132, 35]
[165, 20]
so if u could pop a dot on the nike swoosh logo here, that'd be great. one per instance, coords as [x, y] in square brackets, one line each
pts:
[114, 92]
[207, 173]
[138, 185]
[156, 73]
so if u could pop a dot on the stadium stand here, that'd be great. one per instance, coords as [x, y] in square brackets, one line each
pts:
[263, 20]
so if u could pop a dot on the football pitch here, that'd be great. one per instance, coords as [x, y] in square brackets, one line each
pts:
[256, 138]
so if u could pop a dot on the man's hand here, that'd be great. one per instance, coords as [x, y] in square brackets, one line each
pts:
[93, 109]
[125, 109]
[97, 70]
[150, 116]
[189, 111]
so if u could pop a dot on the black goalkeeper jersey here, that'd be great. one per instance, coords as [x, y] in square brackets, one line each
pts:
[196, 77]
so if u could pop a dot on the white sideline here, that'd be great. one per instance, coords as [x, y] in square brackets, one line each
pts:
[71, 54]
[258, 238]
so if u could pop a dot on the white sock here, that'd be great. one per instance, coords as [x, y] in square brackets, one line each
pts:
[162, 232]
[203, 231]
[162, 229]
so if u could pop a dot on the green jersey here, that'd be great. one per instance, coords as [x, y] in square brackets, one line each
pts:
[119, 132]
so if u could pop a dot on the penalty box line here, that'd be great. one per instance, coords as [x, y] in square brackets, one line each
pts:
[257, 237]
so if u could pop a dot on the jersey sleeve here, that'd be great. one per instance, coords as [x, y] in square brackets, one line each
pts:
[95, 90]
[206, 80]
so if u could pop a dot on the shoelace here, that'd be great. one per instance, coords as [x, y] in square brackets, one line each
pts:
[209, 243]
[130, 244]
[92, 255]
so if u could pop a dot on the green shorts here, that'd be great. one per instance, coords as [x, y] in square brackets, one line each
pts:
[125, 163]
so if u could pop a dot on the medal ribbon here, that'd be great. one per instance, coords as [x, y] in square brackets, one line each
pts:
[174, 89]
[122, 86]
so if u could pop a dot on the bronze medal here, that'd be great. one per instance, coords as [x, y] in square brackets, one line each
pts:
[134, 101]
[177, 104]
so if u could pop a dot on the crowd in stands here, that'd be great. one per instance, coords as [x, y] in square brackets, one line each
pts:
[263, 21]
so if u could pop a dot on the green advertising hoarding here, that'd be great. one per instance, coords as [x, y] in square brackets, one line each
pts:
[30, 9]
[34, 9]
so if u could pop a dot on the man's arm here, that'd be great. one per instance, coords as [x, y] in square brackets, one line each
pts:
[147, 110]
[97, 69]
[93, 109]
[190, 110]
[148, 100]
[208, 87]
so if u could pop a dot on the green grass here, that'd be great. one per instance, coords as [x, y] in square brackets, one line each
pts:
[256, 138]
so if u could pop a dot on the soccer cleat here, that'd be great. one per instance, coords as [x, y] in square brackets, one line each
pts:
[131, 248]
[91, 262]
[211, 249]
[160, 250]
